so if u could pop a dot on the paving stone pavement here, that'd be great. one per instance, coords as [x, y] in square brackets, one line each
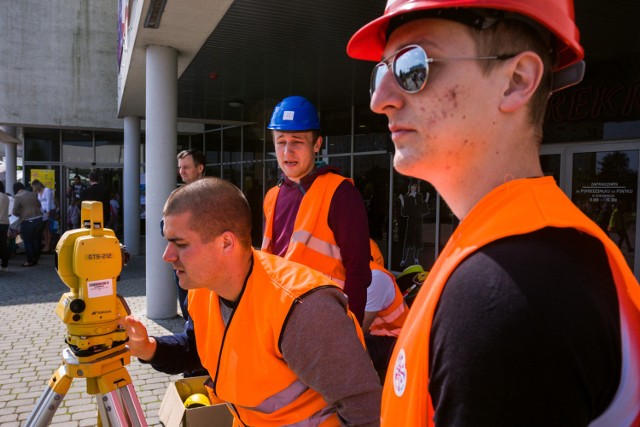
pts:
[32, 340]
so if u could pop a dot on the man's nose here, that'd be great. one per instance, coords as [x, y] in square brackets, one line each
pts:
[169, 254]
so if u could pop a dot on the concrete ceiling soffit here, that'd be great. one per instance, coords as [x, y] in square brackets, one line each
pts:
[185, 26]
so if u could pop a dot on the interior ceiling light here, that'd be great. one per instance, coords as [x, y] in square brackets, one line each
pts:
[156, 7]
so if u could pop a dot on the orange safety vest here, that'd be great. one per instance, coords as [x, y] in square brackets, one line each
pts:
[312, 241]
[244, 357]
[517, 207]
[388, 322]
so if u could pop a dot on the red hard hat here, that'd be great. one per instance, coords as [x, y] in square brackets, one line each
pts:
[557, 16]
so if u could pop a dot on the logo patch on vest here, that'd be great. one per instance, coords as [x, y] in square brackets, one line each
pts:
[400, 374]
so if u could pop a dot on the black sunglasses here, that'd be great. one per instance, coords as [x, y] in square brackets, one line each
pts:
[410, 67]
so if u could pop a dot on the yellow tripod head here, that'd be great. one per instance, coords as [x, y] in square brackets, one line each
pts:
[89, 261]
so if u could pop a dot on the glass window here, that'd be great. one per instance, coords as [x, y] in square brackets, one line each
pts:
[414, 236]
[336, 144]
[183, 143]
[373, 142]
[77, 146]
[271, 172]
[197, 141]
[551, 165]
[232, 156]
[41, 145]
[372, 180]
[109, 147]
[604, 187]
[336, 122]
[212, 143]
[372, 132]
[343, 163]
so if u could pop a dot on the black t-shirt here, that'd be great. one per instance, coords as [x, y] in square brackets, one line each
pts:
[527, 333]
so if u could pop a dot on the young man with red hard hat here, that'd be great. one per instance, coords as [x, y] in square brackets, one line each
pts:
[314, 215]
[530, 316]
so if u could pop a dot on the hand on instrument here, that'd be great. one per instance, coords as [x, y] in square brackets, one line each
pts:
[141, 345]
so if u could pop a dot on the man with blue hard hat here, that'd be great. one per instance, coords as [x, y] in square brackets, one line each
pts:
[315, 216]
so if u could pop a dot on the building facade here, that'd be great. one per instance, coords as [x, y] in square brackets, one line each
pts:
[119, 87]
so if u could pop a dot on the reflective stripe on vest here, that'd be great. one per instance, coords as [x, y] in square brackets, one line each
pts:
[312, 242]
[517, 207]
[287, 397]
[244, 358]
[388, 322]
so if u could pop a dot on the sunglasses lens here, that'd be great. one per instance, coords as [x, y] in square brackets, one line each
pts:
[378, 73]
[410, 69]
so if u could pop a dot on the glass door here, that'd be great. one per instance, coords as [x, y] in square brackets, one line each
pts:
[602, 180]
[75, 179]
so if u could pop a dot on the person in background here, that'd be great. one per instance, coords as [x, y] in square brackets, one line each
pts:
[314, 216]
[191, 164]
[257, 321]
[73, 214]
[530, 315]
[97, 193]
[114, 213]
[384, 314]
[413, 206]
[617, 225]
[27, 208]
[75, 189]
[4, 229]
[47, 205]
[55, 227]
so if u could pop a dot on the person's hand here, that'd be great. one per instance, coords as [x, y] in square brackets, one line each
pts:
[141, 345]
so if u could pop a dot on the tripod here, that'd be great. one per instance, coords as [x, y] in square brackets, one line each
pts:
[107, 378]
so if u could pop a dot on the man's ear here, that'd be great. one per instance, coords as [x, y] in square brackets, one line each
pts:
[228, 241]
[524, 72]
[317, 145]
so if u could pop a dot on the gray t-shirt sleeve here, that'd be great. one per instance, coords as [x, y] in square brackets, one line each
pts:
[321, 346]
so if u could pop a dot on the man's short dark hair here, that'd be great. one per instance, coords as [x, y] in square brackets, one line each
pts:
[17, 186]
[198, 157]
[215, 206]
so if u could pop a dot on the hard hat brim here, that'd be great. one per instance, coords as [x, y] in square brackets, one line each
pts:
[369, 41]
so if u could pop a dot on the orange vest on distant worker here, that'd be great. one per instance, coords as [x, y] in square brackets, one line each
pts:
[244, 358]
[312, 241]
[389, 321]
[517, 207]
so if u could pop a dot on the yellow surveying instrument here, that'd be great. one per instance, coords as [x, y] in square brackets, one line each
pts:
[89, 261]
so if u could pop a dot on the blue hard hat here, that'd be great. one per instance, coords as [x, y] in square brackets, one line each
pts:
[294, 113]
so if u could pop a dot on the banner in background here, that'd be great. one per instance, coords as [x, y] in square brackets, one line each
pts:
[45, 176]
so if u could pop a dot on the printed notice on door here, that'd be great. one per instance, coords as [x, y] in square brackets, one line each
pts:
[608, 192]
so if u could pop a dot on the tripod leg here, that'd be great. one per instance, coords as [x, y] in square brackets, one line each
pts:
[134, 409]
[51, 399]
[110, 407]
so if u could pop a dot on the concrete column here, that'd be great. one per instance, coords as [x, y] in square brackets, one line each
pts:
[131, 198]
[11, 158]
[160, 177]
